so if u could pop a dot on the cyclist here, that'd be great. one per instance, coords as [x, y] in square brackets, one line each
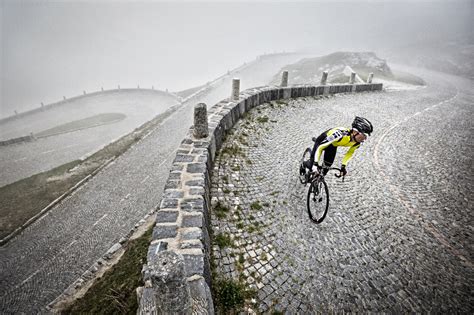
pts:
[329, 140]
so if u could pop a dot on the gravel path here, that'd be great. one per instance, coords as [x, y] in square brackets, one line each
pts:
[398, 236]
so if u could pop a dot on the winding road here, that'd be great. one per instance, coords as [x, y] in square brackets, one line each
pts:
[47, 257]
[398, 237]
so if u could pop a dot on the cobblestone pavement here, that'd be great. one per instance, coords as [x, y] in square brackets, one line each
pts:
[399, 232]
[48, 256]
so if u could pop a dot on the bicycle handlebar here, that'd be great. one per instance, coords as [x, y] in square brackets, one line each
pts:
[337, 175]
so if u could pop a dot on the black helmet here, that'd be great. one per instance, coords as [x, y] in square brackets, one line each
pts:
[362, 125]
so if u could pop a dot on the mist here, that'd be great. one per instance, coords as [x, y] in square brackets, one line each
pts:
[55, 49]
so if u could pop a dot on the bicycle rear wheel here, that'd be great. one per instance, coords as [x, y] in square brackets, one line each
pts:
[317, 202]
[305, 157]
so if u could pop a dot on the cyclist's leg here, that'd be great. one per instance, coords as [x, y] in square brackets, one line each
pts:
[309, 164]
[329, 155]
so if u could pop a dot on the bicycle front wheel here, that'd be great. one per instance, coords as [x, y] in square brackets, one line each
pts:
[318, 201]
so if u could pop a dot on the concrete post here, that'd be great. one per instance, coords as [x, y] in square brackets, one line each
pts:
[200, 121]
[235, 89]
[352, 79]
[284, 78]
[167, 277]
[369, 79]
[324, 78]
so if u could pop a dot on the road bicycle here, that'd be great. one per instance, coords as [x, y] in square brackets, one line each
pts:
[317, 202]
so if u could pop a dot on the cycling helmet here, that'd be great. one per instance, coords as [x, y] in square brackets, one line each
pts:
[362, 125]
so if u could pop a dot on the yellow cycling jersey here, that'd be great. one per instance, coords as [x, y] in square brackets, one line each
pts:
[338, 137]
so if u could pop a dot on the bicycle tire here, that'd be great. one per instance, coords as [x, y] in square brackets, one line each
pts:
[317, 208]
[305, 157]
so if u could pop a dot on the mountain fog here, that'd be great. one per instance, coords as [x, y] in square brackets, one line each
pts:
[55, 49]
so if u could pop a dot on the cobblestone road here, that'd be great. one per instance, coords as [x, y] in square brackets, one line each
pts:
[399, 233]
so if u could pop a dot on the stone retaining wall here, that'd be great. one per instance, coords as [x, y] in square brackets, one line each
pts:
[183, 219]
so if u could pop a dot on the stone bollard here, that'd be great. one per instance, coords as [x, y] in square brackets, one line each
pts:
[16, 113]
[324, 78]
[102, 88]
[42, 104]
[369, 79]
[119, 87]
[84, 92]
[200, 121]
[64, 98]
[138, 86]
[352, 79]
[152, 87]
[235, 89]
[284, 78]
[166, 276]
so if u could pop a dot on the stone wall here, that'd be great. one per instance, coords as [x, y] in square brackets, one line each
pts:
[17, 140]
[183, 218]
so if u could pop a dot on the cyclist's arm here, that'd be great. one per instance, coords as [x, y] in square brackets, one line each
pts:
[349, 154]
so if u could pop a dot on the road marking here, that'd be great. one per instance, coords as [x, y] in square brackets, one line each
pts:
[99, 220]
[70, 146]
[19, 160]
[45, 152]
[426, 225]
[145, 179]
[29, 278]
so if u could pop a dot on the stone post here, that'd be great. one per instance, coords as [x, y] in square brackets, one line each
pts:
[369, 79]
[352, 79]
[324, 78]
[200, 121]
[166, 276]
[235, 89]
[284, 78]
